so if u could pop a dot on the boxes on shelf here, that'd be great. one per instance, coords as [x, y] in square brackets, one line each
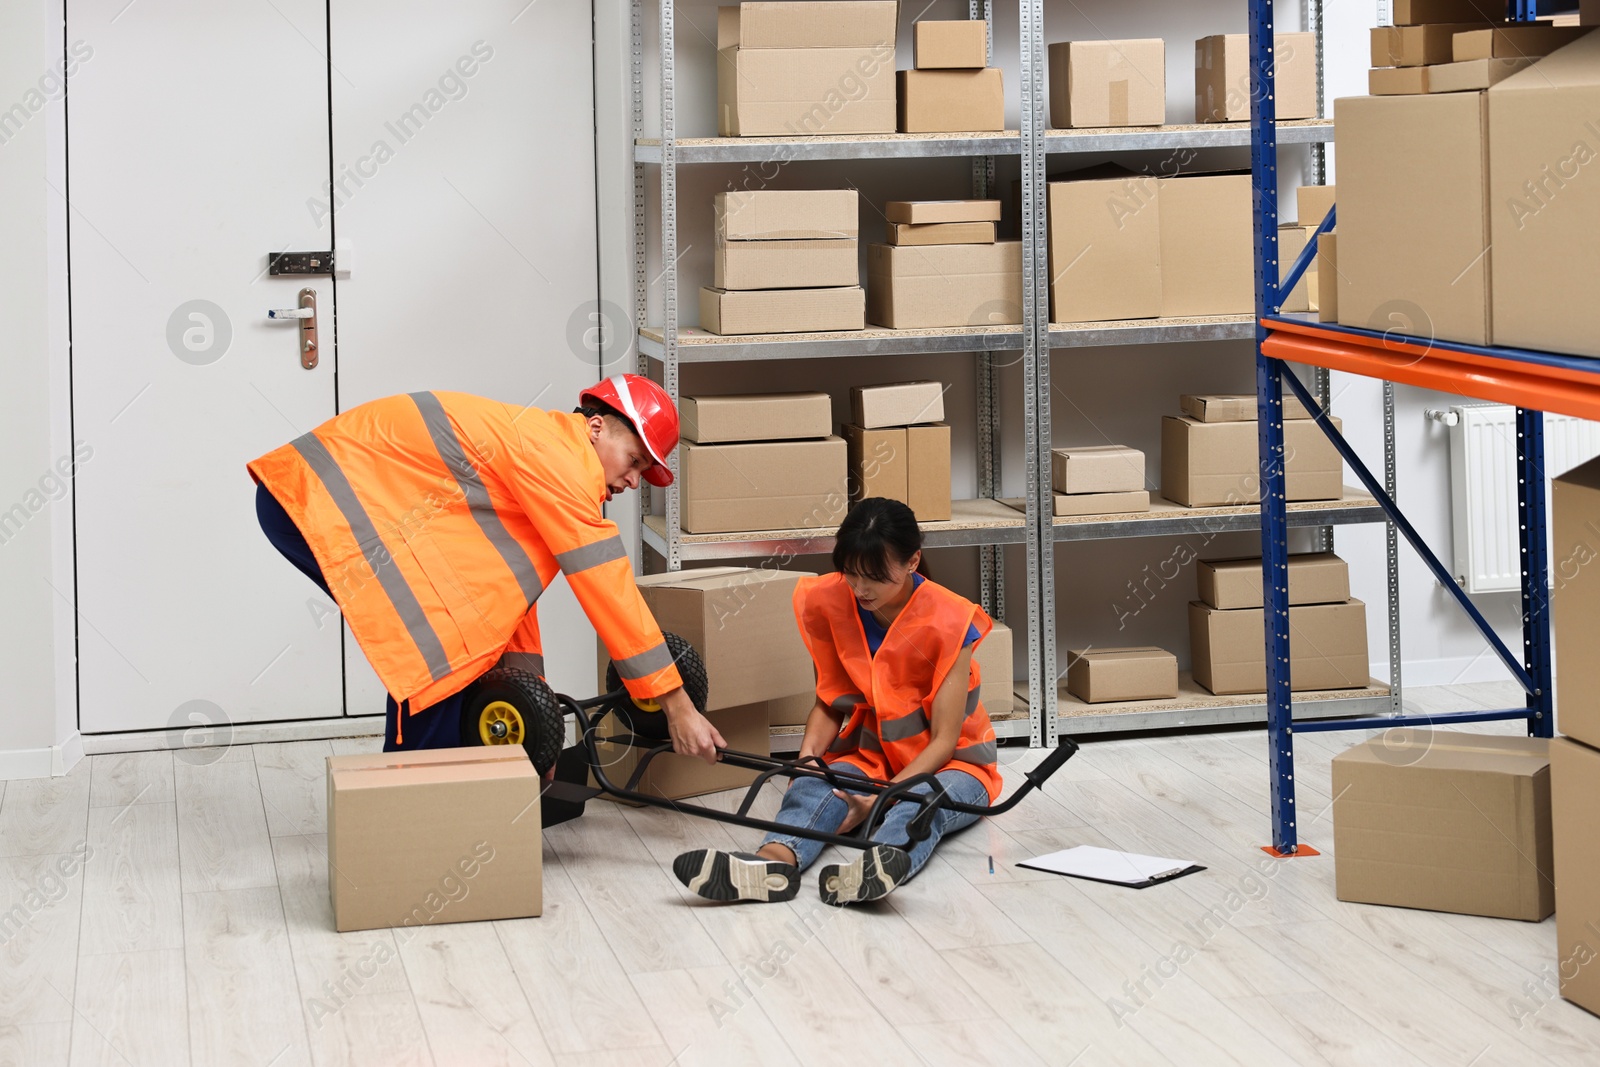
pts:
[1222, 77]
[951, 101]
[1412, 217]
[1097, 469]
[1291, 242]
[1206, 464]
[755, 417]
[896, 452]
[927, 212]
[941, 233]
[1314, 578]
[1313, 204]
[1416, 46]
[928, 471]
[996, 674]
[1234, 407]
[1515, 42]
[850, 24]
[1397, 81]
[746, 729]
[877, 459]
[762, 311]
[1105, 249]
[931, 286]
[950, 45]
[768, 485]
[800, 264]
[1575, 602]
[898, 404]
[1080, 505]
[453, 803]
[1574, 799]
[1102, 675]
[1108, 83]
[1445, 821]
[797, 92]
[1328, 278]
[1327, 647]
[1544, 129]
[1473, 74]
[787, 214]
[1416, 12]
[1207, 245]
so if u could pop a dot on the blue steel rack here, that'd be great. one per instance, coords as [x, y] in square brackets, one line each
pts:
[1535, 382]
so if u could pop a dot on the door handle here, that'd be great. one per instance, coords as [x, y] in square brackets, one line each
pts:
[307, 314]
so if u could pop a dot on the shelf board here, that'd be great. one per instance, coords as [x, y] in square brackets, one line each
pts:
[1166, 518]
[1151, 331]
[1195, 706]
[697, 346]
[1190, 135]
[972, 522]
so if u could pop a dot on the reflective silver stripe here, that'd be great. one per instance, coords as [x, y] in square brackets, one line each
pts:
[466, 476]
[984, 753]
[532, 662]
[859, 739]
[592, 555]
[972, 702]
[321, 461]
[846, 742]
[645, 663]
[868, 741]
[848, 702]
[907, 726]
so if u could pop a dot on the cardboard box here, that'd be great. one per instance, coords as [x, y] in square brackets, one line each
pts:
[760, 311]
[1097, 469]
[1575, 601]
[1397, 81]
[849, 24]
[996, 674]
[1416, 12]
[1314, 201]
[928, 471]
[951, 101]
[785, 264]
[926, 212]
[1515, 42]
[786, 214]
[1314, 578]
[675, 777]
[1544, 129]
[1328, 280]
[1108, 83]
[1222, 77]
[1205, 464]
[1574, 799]
[1234, 407]
[931, 286]
[799, 92]
[1207, 246]
[1412, 215]
[1078, 505]
[773, 485]
[878, 461]
[941, 233]
[1416, 46]
[463, 856]
[1291, 242]
[950, 45]
[1473, 74]
[900, 404]
[741, 621]
[1105, 249]
[791, 711]
[1100, 675]
[1327, 648]
[755, 417]
[1445, 821]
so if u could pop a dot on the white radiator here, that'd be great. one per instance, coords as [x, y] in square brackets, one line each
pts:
[1483, 487]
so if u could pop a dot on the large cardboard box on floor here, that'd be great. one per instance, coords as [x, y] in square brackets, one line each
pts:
[1412, 224]
[769, 485]
[1097, 469]
[1234, 407]
[1108, 83]
[913, 287]
[785, 264]
[1544, 135]
[928, 471]
[746, 729]
[1327, 647]
[471, 845]
[1207, 246]
[1101, 675]
[951, 101]
[800, 92]
[996, 674]
[897, 404]
[786, 214]
[1416, 12]
[1446, 821]
[950, 44]
[1574, 799]
[1416, 46]
[795, 24]
[755, 417]
[1105, 249]
[1204, 464]
[1575, 601]
[1222, 77]
[760, 311]
[1314, 578]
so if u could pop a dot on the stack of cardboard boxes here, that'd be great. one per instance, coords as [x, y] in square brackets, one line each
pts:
[760, 462]
[942, 267]
[784, 262]
[1108, 83]
[1210, 455]
[1328, 630]
[1462, 46]
[783, 69]
[1098, 480]
[952, 88]
[1314, 203]
[899, 447]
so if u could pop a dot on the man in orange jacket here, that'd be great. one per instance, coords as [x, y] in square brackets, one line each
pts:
[435, 520]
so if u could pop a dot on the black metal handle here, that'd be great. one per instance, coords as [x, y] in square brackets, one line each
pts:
[1065, 749]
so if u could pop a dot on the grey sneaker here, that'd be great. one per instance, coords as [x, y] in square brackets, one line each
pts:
[718, 875]
[873, 875]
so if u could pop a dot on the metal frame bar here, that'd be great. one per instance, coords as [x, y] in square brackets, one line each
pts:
[1389, 722]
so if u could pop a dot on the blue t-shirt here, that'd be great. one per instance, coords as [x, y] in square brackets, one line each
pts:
[876, 631]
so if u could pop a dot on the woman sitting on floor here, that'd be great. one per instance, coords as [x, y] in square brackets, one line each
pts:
[893, 655]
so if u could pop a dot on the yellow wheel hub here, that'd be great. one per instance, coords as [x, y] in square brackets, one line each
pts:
[501, 724]
[647, 704]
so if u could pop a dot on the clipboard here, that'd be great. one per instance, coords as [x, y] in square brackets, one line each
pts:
[1128, 869]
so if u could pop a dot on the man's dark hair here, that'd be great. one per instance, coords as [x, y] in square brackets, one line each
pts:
[592, 408]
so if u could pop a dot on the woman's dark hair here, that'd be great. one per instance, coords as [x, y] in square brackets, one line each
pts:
[875, 533]
[598, 407]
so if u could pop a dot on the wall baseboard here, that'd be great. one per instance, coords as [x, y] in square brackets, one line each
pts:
[239, 734]
[52, 762]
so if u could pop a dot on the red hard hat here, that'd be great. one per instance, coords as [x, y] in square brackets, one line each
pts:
[650, 409]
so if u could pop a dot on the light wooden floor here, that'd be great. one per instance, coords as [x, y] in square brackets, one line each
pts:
[199, 933]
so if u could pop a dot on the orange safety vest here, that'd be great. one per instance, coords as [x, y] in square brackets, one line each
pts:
[439, 518]
[889, 696]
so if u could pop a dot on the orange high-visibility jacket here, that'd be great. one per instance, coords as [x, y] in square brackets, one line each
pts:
[439, 518]
[889, 697]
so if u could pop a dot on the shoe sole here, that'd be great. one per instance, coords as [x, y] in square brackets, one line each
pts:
[872, 876]
[717, 875]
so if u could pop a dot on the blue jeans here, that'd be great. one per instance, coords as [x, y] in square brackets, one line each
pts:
[810, 803]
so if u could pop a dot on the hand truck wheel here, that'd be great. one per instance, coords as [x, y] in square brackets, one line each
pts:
[508, 706]
[645, 717]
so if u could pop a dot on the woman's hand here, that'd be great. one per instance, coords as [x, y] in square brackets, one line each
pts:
[859, 808]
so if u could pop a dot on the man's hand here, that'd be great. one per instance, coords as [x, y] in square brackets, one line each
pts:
[692, 733]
